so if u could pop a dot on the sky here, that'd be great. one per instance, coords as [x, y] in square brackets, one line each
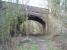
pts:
[36, 3]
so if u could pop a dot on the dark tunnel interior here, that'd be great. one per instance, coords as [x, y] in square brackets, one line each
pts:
[36, 18]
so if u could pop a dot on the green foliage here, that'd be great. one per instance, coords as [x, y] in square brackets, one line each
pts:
[8, 18]
[28, 46]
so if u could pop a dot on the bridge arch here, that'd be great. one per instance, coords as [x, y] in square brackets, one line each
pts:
[38, 19]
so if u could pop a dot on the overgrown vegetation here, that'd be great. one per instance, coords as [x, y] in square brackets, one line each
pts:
[12, 15]
[9, 18]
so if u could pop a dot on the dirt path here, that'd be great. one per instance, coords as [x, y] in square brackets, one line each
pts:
[40, 42]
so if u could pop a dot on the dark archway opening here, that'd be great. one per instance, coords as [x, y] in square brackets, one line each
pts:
[38, 19]
[30, 17]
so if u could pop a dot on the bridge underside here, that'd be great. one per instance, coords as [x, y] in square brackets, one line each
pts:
[38, 19]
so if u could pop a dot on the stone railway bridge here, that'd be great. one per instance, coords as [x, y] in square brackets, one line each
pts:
[51, 25]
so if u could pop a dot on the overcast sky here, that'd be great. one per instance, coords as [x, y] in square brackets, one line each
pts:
[36, 3]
